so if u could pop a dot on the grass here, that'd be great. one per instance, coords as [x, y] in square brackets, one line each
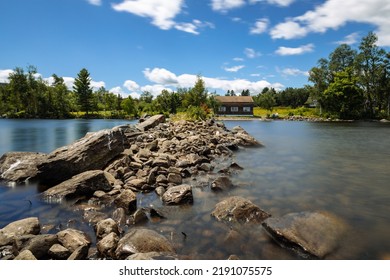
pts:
[285, 112]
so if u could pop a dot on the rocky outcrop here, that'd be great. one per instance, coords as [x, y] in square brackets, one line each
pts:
[142, 240]
[84, 184]
[151, 122]
[181, 194]
[311, 234]
[239, 210]
[20, 166]
[92, 152]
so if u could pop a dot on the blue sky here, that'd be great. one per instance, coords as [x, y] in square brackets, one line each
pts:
[130, 46]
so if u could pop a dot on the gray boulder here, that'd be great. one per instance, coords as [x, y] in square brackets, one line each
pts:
[150, 122]
[181, 194]
[313, 234]
[19, 228]
[84, 184]
[72, 239]
[20, 166]
[142, 240]
[236, 209]
[92, 152]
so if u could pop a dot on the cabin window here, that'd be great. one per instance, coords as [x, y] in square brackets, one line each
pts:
[246, 109]
[222, 109]
[234, 109]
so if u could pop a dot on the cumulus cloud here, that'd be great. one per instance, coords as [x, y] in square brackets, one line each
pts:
[251, 53]
[131, 85]
[121, 92]
[155, 90]
[333, 14]
[260, 26]
[295, 51]
[162, 13]
[225, 5]
[282, 3]
[233, 68]
[160, 76]
[294, 72]
[349, 39]
[4, 74]
[95, 2]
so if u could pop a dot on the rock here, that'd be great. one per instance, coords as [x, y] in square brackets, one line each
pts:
[161, 179]
[233, 257]
[126, 200]
[119, 216]
[175, 178]
[142, 240]
[160, 191]
[108, 244]
[181, 194]
[40, 245]
[80, 253]
[59, 252]
[150, 122]
[244, 139]
[162, 162]
[19, 166]
[26, 255]
[18, 228]
[73, 239]
[92, 152]
[135, 165]
[206, 167]
[151, 179]
[139, 216]
[385, 121]
[152, 256]
[235, 166]
[105, 227]
[136, 183]
[315, 234]
[144, 154]
[84, 184]
[239, 210]
[152, 146]
[222, 183]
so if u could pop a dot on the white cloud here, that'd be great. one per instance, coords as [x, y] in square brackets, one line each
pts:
[251, 53]
[238, 59]
[121, 92]
[162, 13]
[131, 85]
[95, 2]
[294, 72]
[349, 39]
[96, 85]
[188, 80]
[295, 51]
[282, 3]
[288, 30]
[4, 74]
[160, 76]
[233, 68]
[333, 14]
[155, 90]
[225, 5]
[260, 26]
[193, 27]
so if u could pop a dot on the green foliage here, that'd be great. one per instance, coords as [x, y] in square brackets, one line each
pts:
[266, 100]
[82, 88]
[197, 95]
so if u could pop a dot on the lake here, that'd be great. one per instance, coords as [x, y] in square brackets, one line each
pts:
[341, 168]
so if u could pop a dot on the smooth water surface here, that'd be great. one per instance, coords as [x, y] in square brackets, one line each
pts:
[341, 168]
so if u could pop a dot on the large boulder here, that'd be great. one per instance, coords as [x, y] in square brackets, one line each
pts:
[107, 245]
[141, 240]
[126, 200]
[150, 122]
[92, 152]
[84, 184]
[20, 166]
[40, 245]
[19, 228]
[236, 209]
[181, 194]
[315, 234]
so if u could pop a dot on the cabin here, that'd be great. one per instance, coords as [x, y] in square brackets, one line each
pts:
[235, 105]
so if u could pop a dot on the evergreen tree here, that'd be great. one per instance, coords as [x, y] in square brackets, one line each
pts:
[83, 90]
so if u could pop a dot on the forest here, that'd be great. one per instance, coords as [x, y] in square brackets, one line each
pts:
[349, 84]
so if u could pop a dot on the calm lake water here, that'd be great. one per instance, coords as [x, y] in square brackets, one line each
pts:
[341, 168]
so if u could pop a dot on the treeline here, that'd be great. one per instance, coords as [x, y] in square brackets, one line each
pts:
[353, 84]
[27, 95]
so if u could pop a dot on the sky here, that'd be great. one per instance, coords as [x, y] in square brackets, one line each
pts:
[131, 46]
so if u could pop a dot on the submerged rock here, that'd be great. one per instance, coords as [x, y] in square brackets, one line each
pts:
[141, 240]
[20, 166]
[84, 184]
[239, 210]
[315, 234]
[222, 183]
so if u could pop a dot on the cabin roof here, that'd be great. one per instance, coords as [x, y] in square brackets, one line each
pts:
[234, 99]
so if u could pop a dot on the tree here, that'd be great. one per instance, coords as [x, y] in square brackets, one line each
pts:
[266, 100]
[82, 88]
[341, 58]
[128, 105]
[197, 95]
[61, 99]
[245, 92]
[343, 97]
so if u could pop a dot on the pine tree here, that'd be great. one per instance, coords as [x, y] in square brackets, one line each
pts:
[83, 90]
